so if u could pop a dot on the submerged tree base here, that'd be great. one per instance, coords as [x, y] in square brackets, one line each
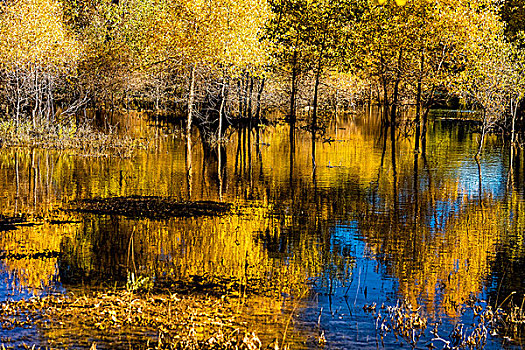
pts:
[152, 207]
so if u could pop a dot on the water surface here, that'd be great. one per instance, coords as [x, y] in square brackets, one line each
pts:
[322, 224]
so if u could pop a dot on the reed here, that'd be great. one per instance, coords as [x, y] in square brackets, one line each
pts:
[505, 320]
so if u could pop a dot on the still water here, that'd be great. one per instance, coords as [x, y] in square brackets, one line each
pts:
[321, 226]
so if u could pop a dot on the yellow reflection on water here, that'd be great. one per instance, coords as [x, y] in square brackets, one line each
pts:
[288, 188]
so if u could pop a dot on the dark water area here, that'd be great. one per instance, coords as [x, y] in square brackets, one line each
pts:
[321, 225]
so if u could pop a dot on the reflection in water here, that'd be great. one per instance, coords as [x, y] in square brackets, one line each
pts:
[354, 215]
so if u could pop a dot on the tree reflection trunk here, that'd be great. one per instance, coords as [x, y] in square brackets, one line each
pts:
[480, 185]
[517, 167]
[258, 150]
[36, 169]
[238, 153]
[510, 175]
[219, 168]
[314, 173]
[189, 165]
[314, 165]
[416, 206]
[394, 168]
[249, 151]
[416, 180]
[17, 181]
[424, 133]
[384, 131]
[429, 183]
[292, 155]
[244, 153]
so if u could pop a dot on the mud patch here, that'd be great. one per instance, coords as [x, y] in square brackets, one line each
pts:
[45, 254]
[9, 223]
[151, 207]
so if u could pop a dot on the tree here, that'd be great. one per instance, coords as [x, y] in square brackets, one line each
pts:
[413, 50]
[513, 14]
[36, 54]
[309, 36]
[202, 38]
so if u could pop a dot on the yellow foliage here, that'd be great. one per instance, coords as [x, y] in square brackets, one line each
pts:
[32, 34]
[218, 32]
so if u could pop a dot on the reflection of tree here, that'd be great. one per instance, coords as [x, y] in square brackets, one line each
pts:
[280, 237]
[451, 263]
[22, 245]
[208, 249]
[509, 263]
[438, 243]
[288, 196]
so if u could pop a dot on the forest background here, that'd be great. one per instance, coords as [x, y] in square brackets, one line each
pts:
[213, 61]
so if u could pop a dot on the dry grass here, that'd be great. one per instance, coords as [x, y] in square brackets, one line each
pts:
[84, 139]
[506, 321]
[160, 321]
[402, 320]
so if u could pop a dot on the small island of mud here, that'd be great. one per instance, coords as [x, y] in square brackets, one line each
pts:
[151, 207]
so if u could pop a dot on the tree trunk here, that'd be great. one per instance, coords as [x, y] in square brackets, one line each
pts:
[395, 98]
[395, 101]
[37, 100]
[239, 95]
[428, 104]
[259, 95]
[18, 99]
[221, 111]
[386, 107]
[50, 100]
[370, 97]
[482, 140]
[418, 105]
[294, 87]
[316, 91]
[249, 102]
[336, 104]
[513, 112]
[191, 100]
[246, 84]
[384, 82]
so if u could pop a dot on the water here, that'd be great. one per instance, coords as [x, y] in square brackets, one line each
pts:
[340, 220]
